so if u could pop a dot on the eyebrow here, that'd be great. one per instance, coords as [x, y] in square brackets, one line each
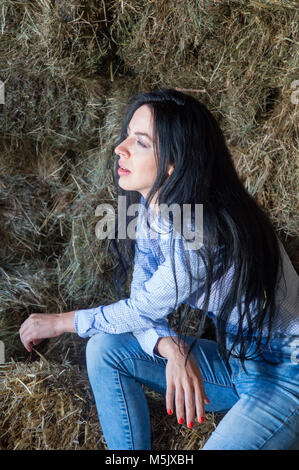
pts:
[141, 133]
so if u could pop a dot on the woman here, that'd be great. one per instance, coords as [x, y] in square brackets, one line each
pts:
[171, 151]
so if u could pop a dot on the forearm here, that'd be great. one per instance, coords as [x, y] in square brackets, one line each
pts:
[66, 323]
[170, 346]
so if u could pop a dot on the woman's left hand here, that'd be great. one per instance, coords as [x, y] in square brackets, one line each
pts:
[184, 381]
[39, 326]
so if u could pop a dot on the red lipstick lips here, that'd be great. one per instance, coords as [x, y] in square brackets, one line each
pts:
[123, 170]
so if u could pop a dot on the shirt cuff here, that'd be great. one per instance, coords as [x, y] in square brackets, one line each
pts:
[84, 322]
[148, 338]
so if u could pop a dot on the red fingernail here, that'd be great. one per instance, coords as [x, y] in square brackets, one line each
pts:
[190, 425]
[169, 412]
[181, 421]
[201, 419]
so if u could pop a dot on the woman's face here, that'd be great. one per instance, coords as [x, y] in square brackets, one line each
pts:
[136, 154]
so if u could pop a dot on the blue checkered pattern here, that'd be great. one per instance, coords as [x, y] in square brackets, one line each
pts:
[153, 292]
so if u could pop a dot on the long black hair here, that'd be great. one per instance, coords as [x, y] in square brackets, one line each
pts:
[187, 136]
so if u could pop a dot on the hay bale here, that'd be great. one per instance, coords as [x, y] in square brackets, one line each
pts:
[47, 406]
[61, 38]
[50, 406]
[47, 62]
[70, 112]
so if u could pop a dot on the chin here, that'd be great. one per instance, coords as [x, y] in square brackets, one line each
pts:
[126, 187]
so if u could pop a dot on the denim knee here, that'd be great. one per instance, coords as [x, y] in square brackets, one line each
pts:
[99, 348]
[105, 350]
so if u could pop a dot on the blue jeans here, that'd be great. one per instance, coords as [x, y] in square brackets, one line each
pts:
[261, 404]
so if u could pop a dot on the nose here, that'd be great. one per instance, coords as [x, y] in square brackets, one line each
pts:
[122, 150]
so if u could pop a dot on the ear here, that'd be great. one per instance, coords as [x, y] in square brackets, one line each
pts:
[170, 170]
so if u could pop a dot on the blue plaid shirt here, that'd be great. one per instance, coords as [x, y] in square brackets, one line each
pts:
[153, 292]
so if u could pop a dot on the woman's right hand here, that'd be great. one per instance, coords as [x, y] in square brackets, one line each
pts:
[39, 326]
[185, 380]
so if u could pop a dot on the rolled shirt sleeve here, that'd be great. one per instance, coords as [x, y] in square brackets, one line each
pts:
[148, 306]
[148, 338]
[152, 297]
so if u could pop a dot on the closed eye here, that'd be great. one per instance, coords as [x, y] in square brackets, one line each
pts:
[137, 133]
[141, 144]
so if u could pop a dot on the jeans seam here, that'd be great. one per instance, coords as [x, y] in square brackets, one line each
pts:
[140, 359]
[233, 387]
[134, 368]
[125, 401]
[279, 427]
